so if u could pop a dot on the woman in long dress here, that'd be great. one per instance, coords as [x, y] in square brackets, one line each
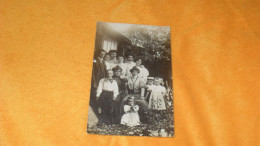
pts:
[136, 88]
[122, 91]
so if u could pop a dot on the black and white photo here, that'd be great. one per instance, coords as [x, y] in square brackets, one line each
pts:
[131, 87]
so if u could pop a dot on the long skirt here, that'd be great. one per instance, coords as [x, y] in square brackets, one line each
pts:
[108, 106]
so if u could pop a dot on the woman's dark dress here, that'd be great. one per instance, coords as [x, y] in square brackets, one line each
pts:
[122, 93]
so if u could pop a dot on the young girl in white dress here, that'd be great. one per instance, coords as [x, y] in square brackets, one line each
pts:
[156, 101]
[130, 117]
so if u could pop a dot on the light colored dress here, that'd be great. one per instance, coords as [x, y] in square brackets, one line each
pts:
[144, 73]
[108, 66]
[131, 117]
[123, 67]
[129, 66]
[135, 84]
[113, 63]
[134, 88]
[156, 101]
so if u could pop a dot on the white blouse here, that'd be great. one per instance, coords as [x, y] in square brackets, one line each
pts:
[123, 66]
[113, 63]
[105, 84]
[129, 66]
[144, 73]
[108, 66]
[135, 83]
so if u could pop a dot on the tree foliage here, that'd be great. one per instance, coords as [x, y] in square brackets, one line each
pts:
[156, 41]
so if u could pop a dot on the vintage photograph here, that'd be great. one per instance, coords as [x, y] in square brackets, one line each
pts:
[131, 86]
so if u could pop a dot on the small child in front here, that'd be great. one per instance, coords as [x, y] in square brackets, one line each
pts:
[130, 117]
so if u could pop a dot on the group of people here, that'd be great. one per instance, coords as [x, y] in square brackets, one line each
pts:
[122, 90]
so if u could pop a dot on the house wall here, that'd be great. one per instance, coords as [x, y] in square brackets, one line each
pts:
[109, 39]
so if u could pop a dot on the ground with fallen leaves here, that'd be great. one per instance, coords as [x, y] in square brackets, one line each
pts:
[157, 120]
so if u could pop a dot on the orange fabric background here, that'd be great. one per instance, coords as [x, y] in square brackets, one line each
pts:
[46, 51]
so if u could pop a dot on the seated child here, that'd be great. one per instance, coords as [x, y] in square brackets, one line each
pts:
[156, 101]
[131, 117]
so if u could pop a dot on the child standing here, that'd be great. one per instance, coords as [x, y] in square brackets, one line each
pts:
[107, 93]
[131, 117]
[148, 88]
[156, 101]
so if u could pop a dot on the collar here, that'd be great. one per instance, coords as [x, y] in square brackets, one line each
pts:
[113, 59]
[110, 80]
[135, 77]
[116, 77]
[100, 59]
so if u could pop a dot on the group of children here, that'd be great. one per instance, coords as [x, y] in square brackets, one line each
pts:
[155, 95]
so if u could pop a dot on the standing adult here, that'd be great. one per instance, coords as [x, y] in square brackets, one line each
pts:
[144, 73]
[122, 90]
[98, 72]
[99, 68]
[113, 60]
[106, 61]
[129, 64]
[136, 88]
[136, 84]
[122, 65]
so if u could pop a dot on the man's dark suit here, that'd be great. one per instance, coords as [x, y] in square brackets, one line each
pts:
[98, 72]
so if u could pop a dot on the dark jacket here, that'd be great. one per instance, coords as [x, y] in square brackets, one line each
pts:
[121, 84]
[98, 72]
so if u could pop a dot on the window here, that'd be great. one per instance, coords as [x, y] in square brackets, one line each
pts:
[109, 45]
